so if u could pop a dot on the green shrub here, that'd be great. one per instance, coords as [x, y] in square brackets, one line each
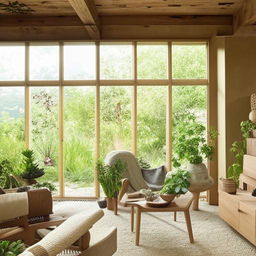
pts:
[9, 248]
[176, 182]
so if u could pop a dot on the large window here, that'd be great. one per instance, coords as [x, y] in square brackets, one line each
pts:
[44, 130]
[12, 125]
[74, 102]
[79, 140]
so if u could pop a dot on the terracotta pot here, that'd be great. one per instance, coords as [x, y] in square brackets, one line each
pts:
[111, 203]
[228, 185]
[168, 197]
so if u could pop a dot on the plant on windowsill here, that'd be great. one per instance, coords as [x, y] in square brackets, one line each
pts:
[31, 169]
[176, 183]
[109, 177]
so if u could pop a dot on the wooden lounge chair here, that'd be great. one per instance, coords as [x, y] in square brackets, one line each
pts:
[74, 237]
[136, 178]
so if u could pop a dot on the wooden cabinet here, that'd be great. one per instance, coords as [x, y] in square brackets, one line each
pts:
[239, 211]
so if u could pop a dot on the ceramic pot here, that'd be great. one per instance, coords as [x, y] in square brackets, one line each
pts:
[252, 116]
[200, 180]
[168, 197]
[228, 185]
[102, 203]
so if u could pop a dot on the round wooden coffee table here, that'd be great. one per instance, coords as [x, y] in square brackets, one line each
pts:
[180, 204]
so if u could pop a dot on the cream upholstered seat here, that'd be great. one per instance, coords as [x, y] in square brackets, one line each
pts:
[137, 177]
[76, 229]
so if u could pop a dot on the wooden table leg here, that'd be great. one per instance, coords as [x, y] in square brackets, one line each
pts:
[195, 203]
[138, 218]
[175, 216]
[189, 227]
[132, 218]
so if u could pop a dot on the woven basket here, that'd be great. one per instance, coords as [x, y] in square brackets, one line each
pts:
[228, 185]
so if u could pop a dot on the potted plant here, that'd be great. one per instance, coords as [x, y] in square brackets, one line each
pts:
[7, 179]
[176, 183]
[9, 248]
[191, 147]
[238, 148]
[31, 168]
[109, 177]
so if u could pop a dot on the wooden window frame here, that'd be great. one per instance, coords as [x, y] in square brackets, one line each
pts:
[134, 83]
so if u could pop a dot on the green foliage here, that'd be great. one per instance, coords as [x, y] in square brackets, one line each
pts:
[7, 180]
[143, 163]
[191, 144]
[9, 248]
[176, 182]
[45, 184]
[238, 149]
[247, 127]
[31, 169]
[109, 176]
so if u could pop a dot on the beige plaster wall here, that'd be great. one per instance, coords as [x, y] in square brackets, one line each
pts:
[240, 83]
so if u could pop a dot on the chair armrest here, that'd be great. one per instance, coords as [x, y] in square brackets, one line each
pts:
[124, 189]
[65, 235]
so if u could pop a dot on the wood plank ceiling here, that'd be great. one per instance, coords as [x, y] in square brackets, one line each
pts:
[121, 19]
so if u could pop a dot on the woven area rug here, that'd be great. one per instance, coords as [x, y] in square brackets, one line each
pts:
[160, 235]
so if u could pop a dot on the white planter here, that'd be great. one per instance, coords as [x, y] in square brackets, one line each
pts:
[200, 179]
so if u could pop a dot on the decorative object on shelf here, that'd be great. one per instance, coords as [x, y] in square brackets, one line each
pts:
[191, 146]
[228, 185]
[253, 101]
[109, 177]
[254, 192]
[252, 116]
[31, 168]
[16, 7]
[176, 182]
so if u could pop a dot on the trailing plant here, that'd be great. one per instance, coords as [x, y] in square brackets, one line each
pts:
[9, 248]
[143, 163]
[45, 184]
[247, 127]
[7, 180]
[31, 168]
[176, 182]
[238, 149]
[109, 177]
[191, 144]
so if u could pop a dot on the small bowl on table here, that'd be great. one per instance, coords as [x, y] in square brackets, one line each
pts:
[168, 197]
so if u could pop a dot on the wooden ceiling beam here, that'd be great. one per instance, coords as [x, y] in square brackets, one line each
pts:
[245, 19]
[146, 20]
[39, 21]
[86, 11]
